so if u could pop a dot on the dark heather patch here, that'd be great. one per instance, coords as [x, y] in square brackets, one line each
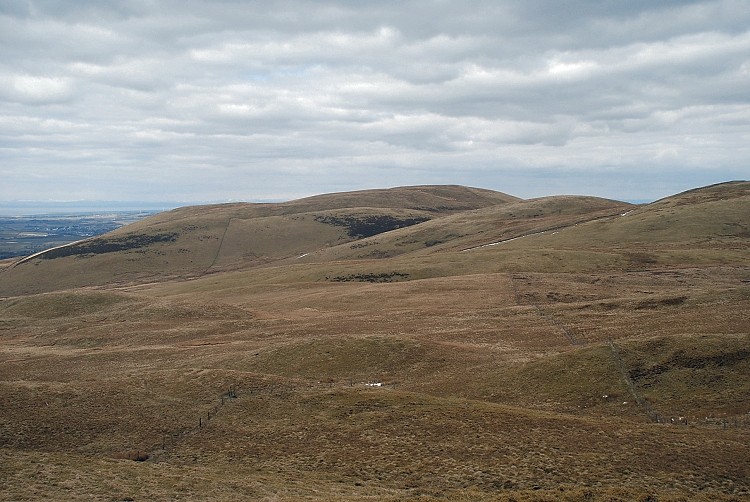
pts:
[681, 360]
[383, 277]
[367, 226]
[101, 246]
[665, 302]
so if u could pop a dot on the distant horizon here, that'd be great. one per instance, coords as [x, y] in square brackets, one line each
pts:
[52, 208]
[21, 209]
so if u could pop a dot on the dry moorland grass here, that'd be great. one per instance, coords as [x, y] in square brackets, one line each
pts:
[485, 396]
[530, 370]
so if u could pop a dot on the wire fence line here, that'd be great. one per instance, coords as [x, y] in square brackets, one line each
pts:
[642, 402]
[727, 422]
[169, 441]
[573, 336]
[567, 331]
[276, 389]
[284, 390]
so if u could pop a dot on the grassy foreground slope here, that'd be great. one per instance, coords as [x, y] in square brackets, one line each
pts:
[524, 350]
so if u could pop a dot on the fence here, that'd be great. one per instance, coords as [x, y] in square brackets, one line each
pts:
[284, 390]
[170, 441]
[280, 390]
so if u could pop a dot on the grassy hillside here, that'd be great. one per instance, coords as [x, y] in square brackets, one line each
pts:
[563, 348]
[194, 241]
[470, 229]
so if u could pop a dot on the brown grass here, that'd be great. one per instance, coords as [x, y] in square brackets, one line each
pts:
[498, 380]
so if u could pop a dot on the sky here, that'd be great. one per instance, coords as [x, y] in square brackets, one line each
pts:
[227, 100]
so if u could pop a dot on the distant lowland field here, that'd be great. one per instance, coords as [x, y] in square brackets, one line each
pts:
[25, 235]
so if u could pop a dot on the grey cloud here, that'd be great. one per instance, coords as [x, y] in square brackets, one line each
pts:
[234, 96]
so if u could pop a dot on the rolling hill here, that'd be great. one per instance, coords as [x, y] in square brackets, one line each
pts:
[426, 343]
[194, 241]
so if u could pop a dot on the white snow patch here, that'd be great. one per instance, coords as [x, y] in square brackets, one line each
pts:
[512, 239]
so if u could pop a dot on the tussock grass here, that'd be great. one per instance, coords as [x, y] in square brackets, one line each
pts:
[57, 305]
[499, 382]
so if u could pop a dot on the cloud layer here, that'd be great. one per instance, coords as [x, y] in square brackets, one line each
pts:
[191, 100]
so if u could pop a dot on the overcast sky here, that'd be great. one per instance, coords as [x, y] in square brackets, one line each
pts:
[263, 100]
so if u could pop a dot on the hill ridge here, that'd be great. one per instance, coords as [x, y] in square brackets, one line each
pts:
[403, 222]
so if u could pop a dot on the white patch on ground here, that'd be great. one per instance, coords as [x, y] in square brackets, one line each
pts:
[507, 240]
